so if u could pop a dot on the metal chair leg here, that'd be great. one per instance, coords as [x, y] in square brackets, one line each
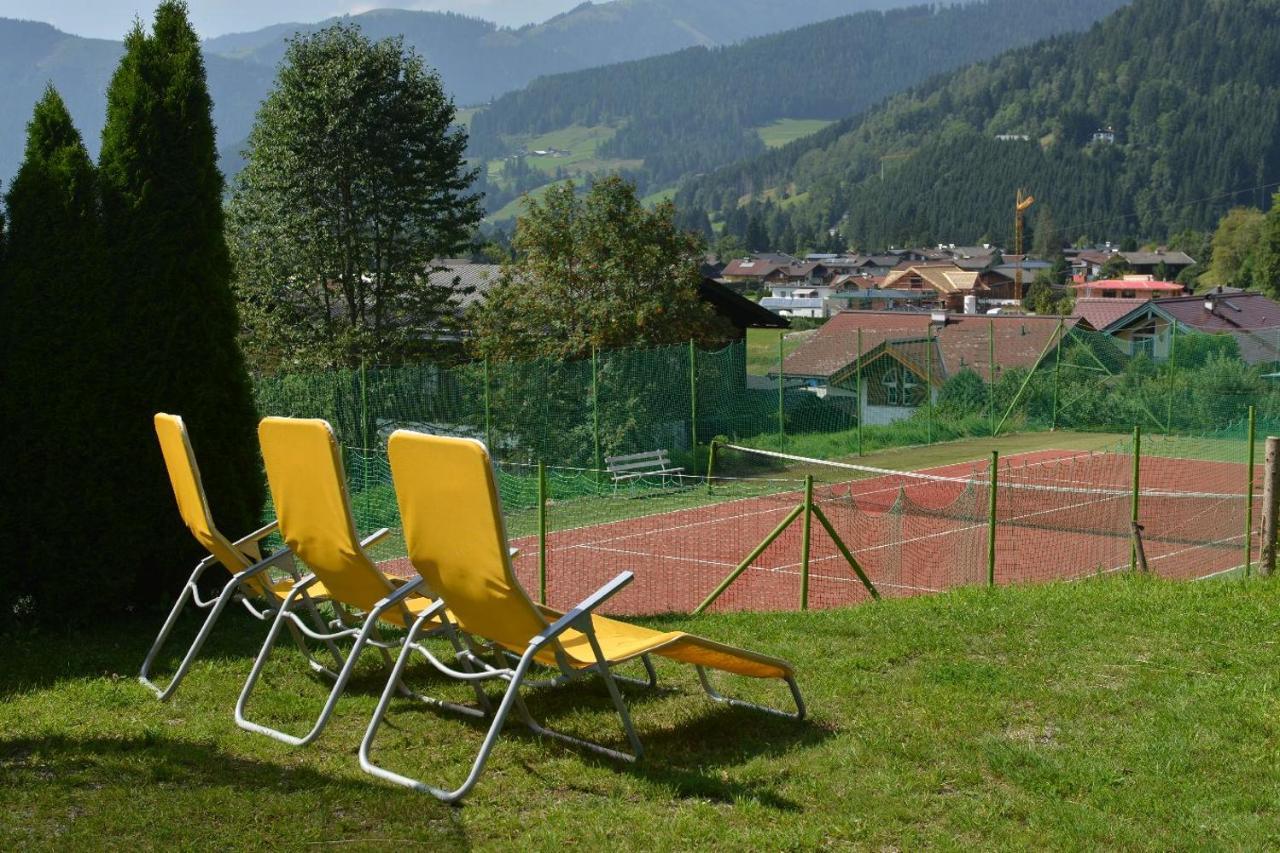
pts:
[515, 678]
[344, 675]
[738, 703]
[188, 595]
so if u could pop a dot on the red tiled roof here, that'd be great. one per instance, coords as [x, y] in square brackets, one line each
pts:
[1102, 312]
[1134, 285]
[1232, 311]
[749, 268]
[962, 343]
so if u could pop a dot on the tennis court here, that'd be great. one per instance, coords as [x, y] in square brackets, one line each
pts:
[1060, 515]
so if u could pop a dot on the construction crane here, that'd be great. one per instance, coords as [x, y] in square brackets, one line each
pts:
[1020, 207]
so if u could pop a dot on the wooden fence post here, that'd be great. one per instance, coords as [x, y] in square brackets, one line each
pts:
[1270, 495]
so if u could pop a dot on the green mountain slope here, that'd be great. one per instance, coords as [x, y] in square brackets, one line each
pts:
[699, 109]
[1191, 89]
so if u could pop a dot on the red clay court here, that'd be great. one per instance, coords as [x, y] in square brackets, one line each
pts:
[1061, 515]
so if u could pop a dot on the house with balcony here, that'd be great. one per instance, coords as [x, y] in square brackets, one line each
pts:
[906, 357]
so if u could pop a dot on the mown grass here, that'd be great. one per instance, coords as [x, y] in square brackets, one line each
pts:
[762, 348]
[1112, 713]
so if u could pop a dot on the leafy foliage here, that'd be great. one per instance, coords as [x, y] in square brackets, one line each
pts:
[598, 271]
[355, 182]
[1236, 244]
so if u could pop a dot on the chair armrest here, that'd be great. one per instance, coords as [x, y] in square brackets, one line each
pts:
[400, 594]
[257, 535]
[375, 537]
[585, 608]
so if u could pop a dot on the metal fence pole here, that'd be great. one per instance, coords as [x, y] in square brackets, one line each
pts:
[488, 417]
[928, 384]
[991, 355]
[542, 533]
[595, 410]
[1173, 342]
[1248, 498]
[1133, 500]
[1270, 505]
[1057, 372]
[861, 391]
[991, 517]
[693, 398]
[364, 426]
[805, 531]
[782, 428]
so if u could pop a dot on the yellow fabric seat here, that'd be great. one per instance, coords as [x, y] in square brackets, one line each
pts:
[242, 559]
[622, 641]
[309, 490]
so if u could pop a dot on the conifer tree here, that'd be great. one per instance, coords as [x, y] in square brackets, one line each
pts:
[52, 315]
[175, 328]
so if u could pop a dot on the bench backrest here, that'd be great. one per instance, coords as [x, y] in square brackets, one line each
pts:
[651, 460]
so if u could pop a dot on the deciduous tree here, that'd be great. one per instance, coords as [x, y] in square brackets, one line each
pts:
[355, 181]
[599, 271]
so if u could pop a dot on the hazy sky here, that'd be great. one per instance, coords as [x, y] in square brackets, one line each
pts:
[112, 18]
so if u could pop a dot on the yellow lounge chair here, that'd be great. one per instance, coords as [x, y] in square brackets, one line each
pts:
[242, 559]
[453, 528]
[304, 472]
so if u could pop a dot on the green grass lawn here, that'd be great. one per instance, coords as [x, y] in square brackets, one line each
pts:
[1115, 713]
[787, 130]
[762, 349]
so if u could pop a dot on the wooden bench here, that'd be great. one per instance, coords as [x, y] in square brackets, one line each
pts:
[635, 466]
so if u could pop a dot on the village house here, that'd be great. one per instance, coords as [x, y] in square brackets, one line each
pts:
[1130, 287]
[1152, 326]
[906, 358]
[1160, 262]
[949, 283]
[472, 283]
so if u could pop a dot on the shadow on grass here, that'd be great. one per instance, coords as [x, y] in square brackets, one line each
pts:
[690, 757]
[190, 780]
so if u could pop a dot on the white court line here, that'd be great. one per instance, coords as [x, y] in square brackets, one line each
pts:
[785, 569]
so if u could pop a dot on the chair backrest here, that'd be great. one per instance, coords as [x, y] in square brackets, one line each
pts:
[452, 523]
[188, 490]
[309, 488]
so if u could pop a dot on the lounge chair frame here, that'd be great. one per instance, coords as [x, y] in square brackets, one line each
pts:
[233, 590]
[478, 670]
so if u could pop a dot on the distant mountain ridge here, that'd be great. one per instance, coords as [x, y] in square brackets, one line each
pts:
[477, 59]
[480, 60]
[34, 54]
[1158, 119]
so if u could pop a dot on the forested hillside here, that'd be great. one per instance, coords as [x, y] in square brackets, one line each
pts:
[1190, 88]
[699, 109]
